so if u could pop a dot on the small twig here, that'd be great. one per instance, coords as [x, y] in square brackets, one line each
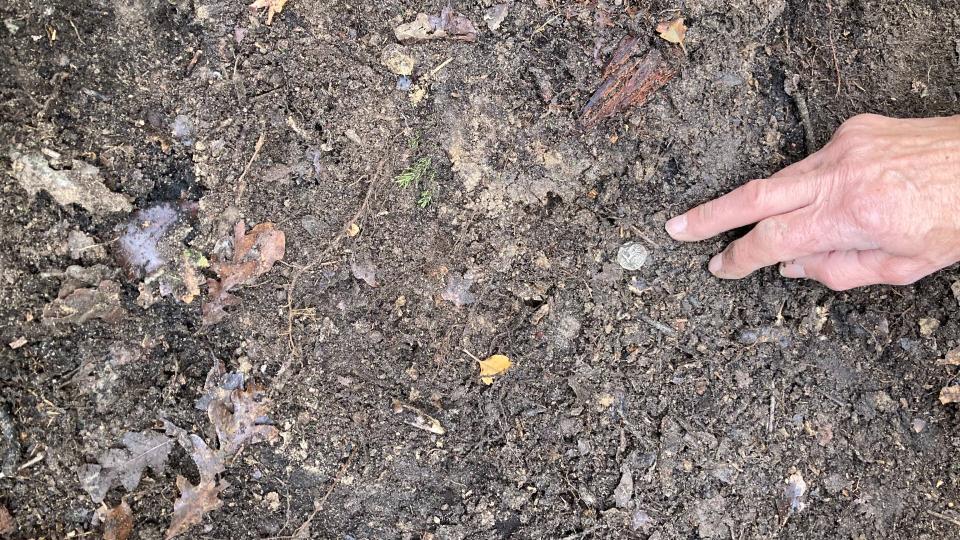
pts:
[437, 69]
[544, 25]
[318, 261]
[944, 517]
[242, 179]
[36, 459]
[77, 32]
[773, 407]
[658, 325]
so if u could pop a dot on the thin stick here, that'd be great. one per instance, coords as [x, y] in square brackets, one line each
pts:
[437, 69]
[242, 179]
[945, 517]
[77, 32]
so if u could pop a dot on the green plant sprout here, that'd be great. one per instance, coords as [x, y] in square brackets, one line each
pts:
[415, 173]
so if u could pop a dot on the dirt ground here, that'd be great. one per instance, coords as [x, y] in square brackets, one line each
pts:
[658, 403]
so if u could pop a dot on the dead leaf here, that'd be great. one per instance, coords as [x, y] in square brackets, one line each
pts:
[949, 394]
[628, 82]
[254, 254]
[81, 305]
[117, 522]
[493, 365]
[125, 466]
[353, 230]
[7, 526]
[241, 419]
[673, 31]
[195, 501]
[417, 418]
[448, 25]
[17, 343]
[273, 7]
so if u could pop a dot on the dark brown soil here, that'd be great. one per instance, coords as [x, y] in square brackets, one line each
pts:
[707, 394]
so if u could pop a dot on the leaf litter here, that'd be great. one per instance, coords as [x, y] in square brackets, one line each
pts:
[458, 289]
[195, 501]
[674, 31]
[492, 366]
[447, 25]
[117, 521]
[125, 466]
[237, 411]
[254, 254]
[272, 7]
[153, 246]
[412, 416]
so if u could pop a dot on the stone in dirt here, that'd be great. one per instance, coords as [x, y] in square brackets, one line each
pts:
[81, 305]
[81, 184]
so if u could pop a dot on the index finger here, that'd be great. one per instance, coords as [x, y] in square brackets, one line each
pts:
[752, 202]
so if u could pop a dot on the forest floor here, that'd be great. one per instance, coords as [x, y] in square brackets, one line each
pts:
[326, 361]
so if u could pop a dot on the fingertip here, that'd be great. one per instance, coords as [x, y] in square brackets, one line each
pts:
[716, 265]
[676, 227]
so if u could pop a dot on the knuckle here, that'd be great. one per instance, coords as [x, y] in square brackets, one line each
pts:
[756, 192]
[868, 213]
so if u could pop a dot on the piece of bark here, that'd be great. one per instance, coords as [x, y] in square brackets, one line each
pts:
[628, 82]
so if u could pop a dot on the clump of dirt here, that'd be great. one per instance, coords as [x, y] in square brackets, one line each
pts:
[642, 400]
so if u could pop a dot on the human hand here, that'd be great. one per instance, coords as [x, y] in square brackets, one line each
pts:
[880, 203]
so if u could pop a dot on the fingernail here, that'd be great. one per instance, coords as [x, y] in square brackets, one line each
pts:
[676, 225]
[716, 263]
[792, 270]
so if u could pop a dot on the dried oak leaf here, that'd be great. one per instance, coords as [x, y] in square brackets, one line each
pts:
[241, 419]
[254, 254]
[195, 501]
[125, 466]
[273, 7]
[449, 24]
[117, 521]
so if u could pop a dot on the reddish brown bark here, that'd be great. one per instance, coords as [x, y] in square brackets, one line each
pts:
[628, 81]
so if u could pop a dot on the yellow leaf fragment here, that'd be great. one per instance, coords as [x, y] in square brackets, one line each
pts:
[353, 230]
[493, 365]
[673, 31]
[273, 7]
[950, 394]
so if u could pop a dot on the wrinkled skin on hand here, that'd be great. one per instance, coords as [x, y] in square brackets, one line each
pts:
[879, 204]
